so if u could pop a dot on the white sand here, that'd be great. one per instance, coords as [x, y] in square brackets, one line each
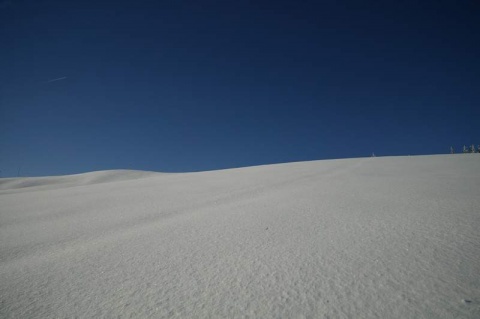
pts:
[394, 237]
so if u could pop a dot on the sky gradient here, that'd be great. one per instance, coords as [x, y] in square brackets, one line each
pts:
[180, 86]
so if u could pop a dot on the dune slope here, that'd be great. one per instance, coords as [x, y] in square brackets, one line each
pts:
[393, 237]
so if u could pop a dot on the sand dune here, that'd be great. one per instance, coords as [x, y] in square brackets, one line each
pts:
[392, 237]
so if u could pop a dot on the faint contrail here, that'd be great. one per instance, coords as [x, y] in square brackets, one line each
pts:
[57, 79]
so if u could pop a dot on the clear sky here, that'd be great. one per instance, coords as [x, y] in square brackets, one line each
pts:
[195, 85]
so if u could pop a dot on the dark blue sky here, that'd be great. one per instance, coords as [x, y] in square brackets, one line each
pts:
[200, 85]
